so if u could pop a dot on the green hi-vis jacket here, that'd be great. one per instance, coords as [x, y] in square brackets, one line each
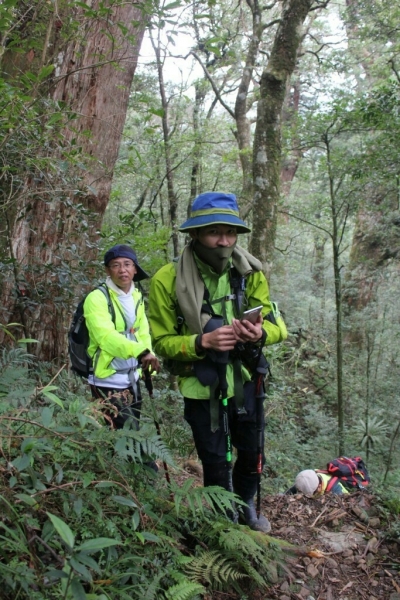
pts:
[164, 311]
[106, 340]
[337, 488]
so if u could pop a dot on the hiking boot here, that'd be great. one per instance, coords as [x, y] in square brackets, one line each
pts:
[248, 514]
[245, 486]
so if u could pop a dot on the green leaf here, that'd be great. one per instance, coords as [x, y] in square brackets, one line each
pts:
[21, 462]
[27, 499]
[54, 574]
[81, 569]
[27, 341]
[62, 529]
[150, 537]
[77, 590]
[48, 473]
[54, 118]
[88, 561]
[50, 388]
[28, 444]
[51, 396]
[78, 505]
[135, 520]
[124, 501]
[172, 5]
[158, 112]
[47, 415]
[97, 544]
[45, 72]
[87, 479]
[140, 537]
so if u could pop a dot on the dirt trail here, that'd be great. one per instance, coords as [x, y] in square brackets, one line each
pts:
[342, 551]
[341, 547]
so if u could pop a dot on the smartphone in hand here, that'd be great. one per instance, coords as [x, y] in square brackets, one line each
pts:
[252, 314]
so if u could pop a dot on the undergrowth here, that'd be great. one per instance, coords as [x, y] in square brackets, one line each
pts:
[83, 516]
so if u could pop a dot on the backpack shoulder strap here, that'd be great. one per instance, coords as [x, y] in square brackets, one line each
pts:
[238, 289]
[331, 483]
[179, 316]
[103, 288]
[333, 479]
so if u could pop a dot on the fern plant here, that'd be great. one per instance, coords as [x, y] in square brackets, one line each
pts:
[68, 481]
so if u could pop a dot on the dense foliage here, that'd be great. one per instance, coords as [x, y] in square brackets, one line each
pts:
[82, 515]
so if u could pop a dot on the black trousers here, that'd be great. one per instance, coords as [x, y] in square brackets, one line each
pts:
[127, 407]
[211, 446]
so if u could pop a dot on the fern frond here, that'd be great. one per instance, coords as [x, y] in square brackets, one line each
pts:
[186, 590]
[237, 539]
[15, 357]
[134, 444]
[217, 570]
[215, 497]
[153, 588]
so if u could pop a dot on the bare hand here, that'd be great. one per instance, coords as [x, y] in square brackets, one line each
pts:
[151, 362]
[221, 339]
[246, 331]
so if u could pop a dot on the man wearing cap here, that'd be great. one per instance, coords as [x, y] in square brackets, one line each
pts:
[117, 349]
[194, 320]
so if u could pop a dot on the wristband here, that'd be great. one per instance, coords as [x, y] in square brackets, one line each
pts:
[198, 345]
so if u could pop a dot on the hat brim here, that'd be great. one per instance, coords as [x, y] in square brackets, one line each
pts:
[140, 274]
[215, 219]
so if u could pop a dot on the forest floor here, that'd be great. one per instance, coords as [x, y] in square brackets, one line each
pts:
[341, 549]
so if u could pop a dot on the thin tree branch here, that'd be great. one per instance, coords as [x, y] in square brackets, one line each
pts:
[214, 87]
[284, 212]
[272, 23]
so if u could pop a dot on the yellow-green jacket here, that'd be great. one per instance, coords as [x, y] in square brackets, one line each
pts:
[337, 488]
[164, 311]
[106, 340]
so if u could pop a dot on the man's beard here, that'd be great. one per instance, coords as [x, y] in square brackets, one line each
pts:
[217, 258]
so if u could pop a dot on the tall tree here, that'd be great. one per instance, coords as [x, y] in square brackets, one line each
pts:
[57, 216]
[267, 146]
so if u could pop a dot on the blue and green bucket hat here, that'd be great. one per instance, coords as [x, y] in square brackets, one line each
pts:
[215, 208]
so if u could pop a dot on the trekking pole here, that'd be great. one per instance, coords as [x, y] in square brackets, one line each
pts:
[260, 395]
[223, 386]
[148, 382]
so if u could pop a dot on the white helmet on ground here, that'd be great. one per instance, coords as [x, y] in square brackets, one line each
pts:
[307, 482]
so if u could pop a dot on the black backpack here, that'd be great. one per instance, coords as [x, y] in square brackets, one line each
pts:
[351, 472]
[78, 336]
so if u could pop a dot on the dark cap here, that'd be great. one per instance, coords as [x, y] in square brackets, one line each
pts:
[123, 251]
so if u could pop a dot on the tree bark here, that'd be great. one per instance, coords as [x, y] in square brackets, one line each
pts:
[267, 152]
[56, 227]
[169, 172]
[243, 134]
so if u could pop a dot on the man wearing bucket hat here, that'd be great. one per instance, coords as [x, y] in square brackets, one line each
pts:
[195, 306]
[119, 341]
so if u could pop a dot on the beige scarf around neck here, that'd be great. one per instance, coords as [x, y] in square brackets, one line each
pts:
[190, 286]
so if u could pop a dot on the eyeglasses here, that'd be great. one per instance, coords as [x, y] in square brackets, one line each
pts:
[128, 264]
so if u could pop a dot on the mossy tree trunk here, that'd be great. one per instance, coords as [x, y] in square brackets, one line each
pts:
[58, 215]
[267, 153]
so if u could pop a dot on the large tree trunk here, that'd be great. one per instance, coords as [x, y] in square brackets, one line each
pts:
[267, 154]
[57, 219]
